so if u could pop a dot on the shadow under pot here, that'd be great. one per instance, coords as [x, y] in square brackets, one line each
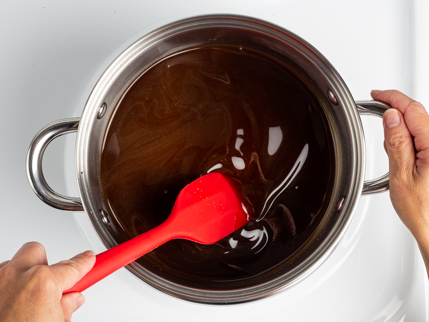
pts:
[227, 94]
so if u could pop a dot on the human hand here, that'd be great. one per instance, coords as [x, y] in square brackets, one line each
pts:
[30, 290]
[406, 131]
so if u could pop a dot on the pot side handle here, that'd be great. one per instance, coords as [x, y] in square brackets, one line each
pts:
[374, 108]
[34, 165]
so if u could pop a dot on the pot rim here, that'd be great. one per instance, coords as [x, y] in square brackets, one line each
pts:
[343, 101]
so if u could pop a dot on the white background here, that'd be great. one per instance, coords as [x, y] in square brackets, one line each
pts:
[51, 55]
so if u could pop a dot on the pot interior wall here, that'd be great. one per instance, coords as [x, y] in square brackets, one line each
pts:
[308, 65]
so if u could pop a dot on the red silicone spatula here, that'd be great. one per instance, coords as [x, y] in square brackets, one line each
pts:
[206, 210]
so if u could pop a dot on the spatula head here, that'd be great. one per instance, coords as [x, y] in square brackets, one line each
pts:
[208, 209]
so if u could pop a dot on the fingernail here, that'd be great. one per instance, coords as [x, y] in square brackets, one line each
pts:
[391, 118]
[79, 301]
[89, 253]
[375, 91]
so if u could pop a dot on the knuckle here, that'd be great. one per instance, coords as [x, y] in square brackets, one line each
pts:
[415, 108]
[35, 247]
[71, 264]
[395, 92]
[34, 244]
[41, 272]
[8, 272]
[395, 140]
[42, 277]
[414, 105]
[68, 309]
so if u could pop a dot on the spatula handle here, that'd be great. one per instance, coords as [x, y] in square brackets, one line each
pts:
[121, 255]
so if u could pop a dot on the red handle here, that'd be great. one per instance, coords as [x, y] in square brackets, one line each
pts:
[113, 259]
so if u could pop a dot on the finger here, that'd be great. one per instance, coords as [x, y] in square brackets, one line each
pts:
[394, 98]
[416, 117]
[3, 264]
[399, 145]
[417, 121]
[69, 272]
[422, 163]
[70, 303]
[29, 255]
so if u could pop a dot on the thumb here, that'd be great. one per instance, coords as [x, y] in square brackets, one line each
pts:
[70, 303]
[69, 272]
[399, 144]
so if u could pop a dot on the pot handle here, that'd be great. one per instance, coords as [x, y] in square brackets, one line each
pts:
[374, 108]
[34, 165]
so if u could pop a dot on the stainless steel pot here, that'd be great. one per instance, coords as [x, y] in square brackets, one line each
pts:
[341, 111]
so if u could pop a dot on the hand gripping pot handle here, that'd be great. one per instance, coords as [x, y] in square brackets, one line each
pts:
[377, 109]
[34, 165]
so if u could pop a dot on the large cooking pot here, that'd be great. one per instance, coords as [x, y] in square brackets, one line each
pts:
[340, 109]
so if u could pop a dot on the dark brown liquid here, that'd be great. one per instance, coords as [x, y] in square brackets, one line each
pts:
[223, 109]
